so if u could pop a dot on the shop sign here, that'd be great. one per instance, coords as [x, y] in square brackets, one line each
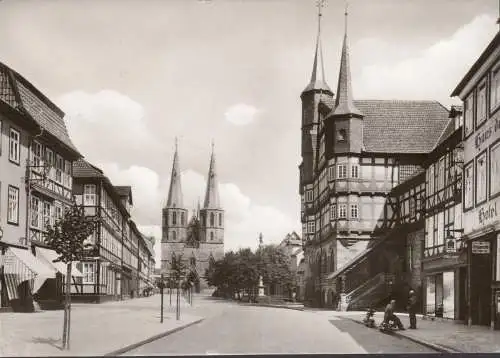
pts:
[484, 135]
[480, 247]
[485, 215]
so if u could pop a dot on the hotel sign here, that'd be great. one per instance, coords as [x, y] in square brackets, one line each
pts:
[478, 218]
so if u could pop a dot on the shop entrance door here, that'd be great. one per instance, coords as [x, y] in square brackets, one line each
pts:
[462, 294]
[481, 288]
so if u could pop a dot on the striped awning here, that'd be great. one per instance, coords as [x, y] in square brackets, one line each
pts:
[48, 256]
[21, 265]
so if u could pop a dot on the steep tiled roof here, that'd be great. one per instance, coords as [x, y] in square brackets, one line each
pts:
[401, 126]
[83, 169]
[447, 131]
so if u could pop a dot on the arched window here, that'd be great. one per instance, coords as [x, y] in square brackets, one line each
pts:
[183, 222]
[212, 219]
[192, 261]
[341, 135]
[203, 219]
[220, 219]
[211, 235]
[332, 261]
[174, 235]
[174, 218]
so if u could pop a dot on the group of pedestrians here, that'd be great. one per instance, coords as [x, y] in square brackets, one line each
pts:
[412, 310]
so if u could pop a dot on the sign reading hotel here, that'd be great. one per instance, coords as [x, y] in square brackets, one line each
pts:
[485, 215]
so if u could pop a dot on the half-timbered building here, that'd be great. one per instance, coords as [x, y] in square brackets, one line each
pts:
[480, 92]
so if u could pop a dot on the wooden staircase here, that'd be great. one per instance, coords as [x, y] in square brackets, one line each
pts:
[371, 292]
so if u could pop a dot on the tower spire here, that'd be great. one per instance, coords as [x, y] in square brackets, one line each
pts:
[344, 103]
[212, 200]
[317, 81]
[175, 199]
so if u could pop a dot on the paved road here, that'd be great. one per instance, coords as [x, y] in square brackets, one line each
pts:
[230, 328]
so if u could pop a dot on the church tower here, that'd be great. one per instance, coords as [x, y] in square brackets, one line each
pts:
[174, 216]
[313, 98]
[212, 215]
[345, 121]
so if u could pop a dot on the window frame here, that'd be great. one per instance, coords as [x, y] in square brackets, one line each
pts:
[481, 154]
[340, 216]
[309, 196]
[86, 272]
[482, 86]
[356, 210]
[471, 96]
[494, 106]
[493, 146]
[17, 159]
[89, 195]
[15, 220]
[472, 191]
[333, 212]
[355, 168]
[342, 171]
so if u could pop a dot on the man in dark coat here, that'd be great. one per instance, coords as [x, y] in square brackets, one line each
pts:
[390, 316]
[412, 309]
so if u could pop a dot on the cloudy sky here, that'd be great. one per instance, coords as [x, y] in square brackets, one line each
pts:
[133, 75]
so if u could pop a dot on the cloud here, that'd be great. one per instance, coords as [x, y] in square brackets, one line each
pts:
[106, 123]
[244, 219]
[428, 74]
[241, 114]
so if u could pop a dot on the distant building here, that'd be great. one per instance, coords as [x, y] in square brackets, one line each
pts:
[200, 239]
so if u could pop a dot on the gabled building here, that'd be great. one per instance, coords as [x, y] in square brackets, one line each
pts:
[105, 276]
[36, 156]
[480, 92]
[354, 152]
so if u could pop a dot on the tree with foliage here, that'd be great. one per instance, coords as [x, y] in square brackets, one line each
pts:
[274, 267]
[68, 238]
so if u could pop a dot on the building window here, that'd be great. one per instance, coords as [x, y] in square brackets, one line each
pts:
[183, 222]
[481, 178]
[211, 235]
[220, 219]
[36, 151]
[430, 180]
[49, 159]
[333, 212]
[495, 169]
[174, 218]
[331, 173]
[89, 195]
[342, 211]
[212, 220]
[341, 171]
[469, 115]
[48, 216]
[88, 272]
[59, 168]
[354, 211]
[341, 135]
[429, 237]
[35, 212]
[14, 146]
[481, 105]
[311, 227]
[468, 186]
[309, 196]
[495, 88]
[13, 205]
[440, 174]
[174, 235]
[59, 211]
[354, 171]
[67, 174]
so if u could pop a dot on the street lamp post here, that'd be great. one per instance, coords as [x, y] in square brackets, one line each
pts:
[161, 286]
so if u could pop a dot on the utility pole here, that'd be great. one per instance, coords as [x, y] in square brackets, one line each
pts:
[162, 286]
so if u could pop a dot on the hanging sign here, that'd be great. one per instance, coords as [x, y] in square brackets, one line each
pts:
[480, 247]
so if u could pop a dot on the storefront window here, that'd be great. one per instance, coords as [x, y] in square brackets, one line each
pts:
[449, 294]
[431, 295]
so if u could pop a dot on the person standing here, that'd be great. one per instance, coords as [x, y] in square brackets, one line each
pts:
[390, 316]
[412, 309]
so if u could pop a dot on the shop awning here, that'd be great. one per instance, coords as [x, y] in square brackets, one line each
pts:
[22, 265]
[49, 256]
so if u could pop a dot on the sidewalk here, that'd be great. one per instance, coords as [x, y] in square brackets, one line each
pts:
[443, 335]
[96, 329]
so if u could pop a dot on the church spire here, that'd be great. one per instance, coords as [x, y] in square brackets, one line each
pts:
[318, 72]
[344, 103]
[212, 200]
[174, 199]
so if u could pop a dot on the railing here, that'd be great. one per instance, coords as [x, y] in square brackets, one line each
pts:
[368, 285]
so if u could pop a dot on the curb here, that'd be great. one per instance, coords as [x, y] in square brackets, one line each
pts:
[420, 341]
[273, 306]
[150, 339]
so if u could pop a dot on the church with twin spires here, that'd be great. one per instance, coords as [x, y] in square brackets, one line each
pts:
[199, 238]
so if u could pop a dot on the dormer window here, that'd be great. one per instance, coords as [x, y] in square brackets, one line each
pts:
[341, 135]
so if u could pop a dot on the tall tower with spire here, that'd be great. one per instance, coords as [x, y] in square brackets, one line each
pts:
[174, 214]
[313, 97]
[212, 215]
[345, 121]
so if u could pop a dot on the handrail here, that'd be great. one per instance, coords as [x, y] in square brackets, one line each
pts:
[379, 278]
